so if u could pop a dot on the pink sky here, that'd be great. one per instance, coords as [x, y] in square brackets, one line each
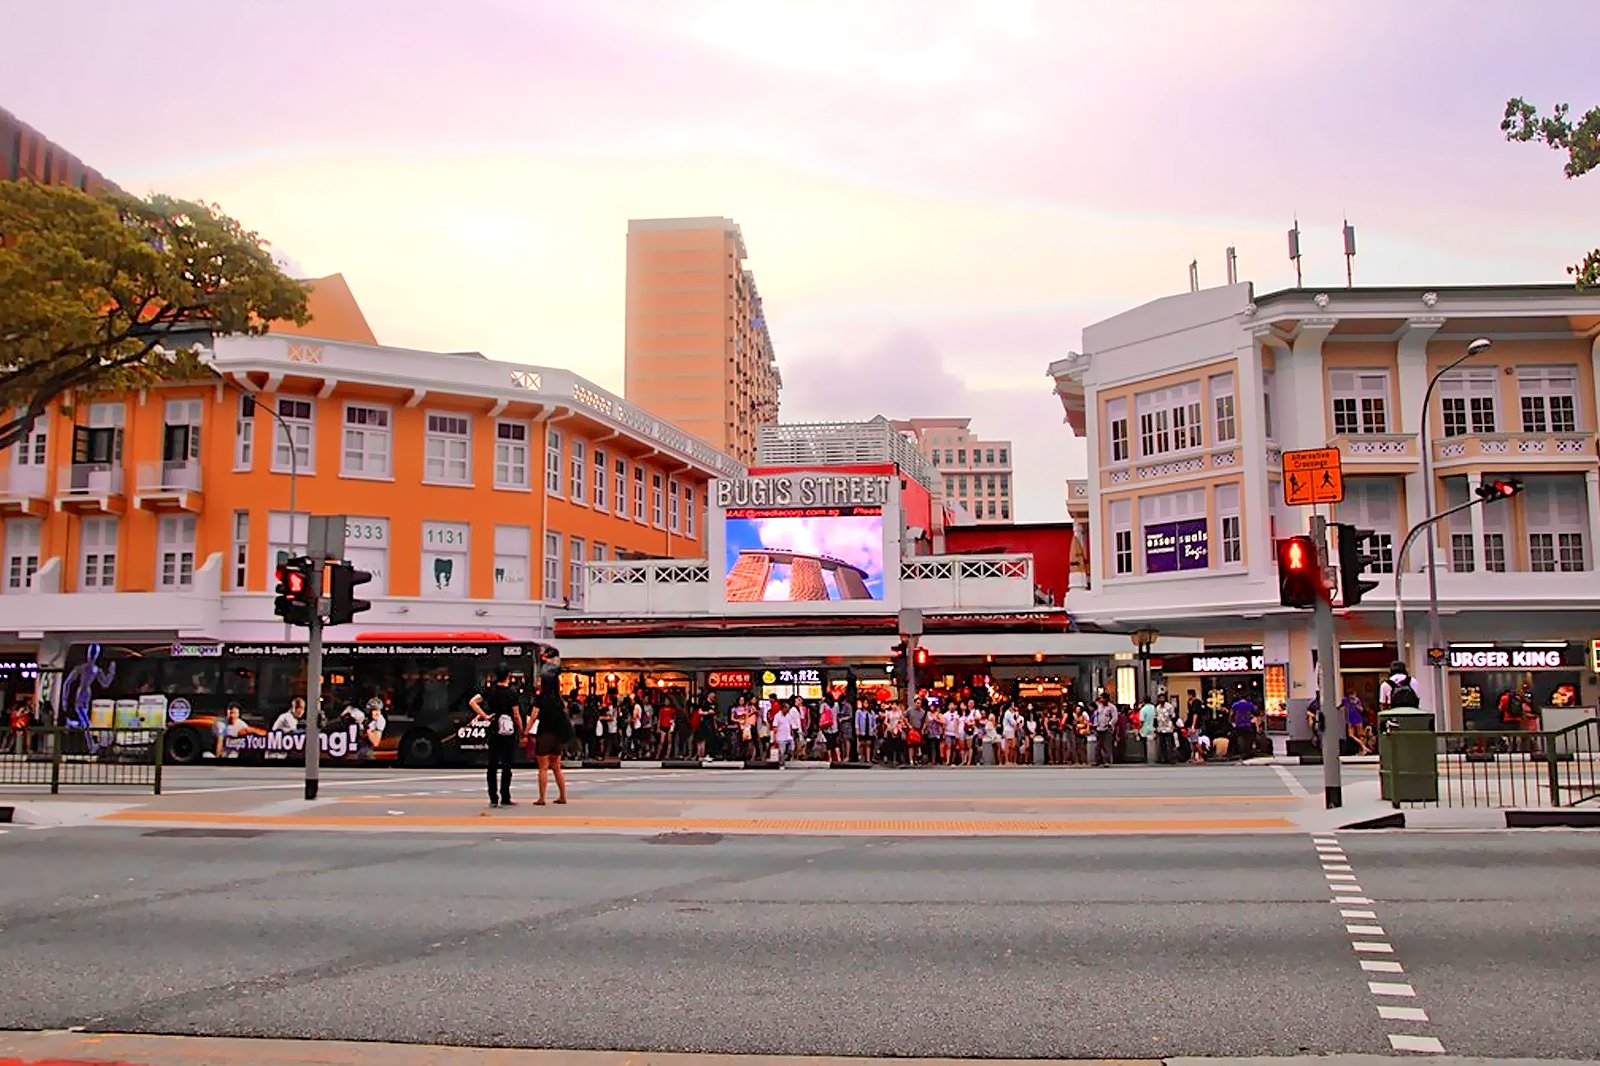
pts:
[937, 195]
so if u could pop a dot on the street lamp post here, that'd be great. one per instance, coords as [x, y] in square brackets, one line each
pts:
[1435, 634]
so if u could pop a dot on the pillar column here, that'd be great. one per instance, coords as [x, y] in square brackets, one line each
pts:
[1591, 484]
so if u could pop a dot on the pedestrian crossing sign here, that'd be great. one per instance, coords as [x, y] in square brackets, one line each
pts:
[1312, 476]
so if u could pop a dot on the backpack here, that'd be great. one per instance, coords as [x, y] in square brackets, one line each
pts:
[505, 725]
[1401, 694]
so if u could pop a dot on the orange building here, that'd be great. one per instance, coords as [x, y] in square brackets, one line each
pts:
[476, 492]
[697, 349]
[27, 153]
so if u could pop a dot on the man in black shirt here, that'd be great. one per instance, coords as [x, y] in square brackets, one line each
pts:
[504, 720]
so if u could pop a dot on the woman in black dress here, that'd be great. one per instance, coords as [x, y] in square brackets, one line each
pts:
[552, 733]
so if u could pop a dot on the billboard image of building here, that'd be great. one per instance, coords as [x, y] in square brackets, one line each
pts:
[798, 558]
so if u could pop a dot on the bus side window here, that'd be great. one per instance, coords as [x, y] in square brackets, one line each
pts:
[279, 682]
[239, 679]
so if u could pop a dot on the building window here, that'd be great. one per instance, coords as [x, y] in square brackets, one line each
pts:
[244, 434]
[511, 456]
[1462, 557]
[1226, 423]
[577, 454]
[180, 437]
[293, 433]
[366, 547]
[511, 562]
[1005, 510]
[575, 563]
[1555, 511]
[447, 449]
[1231, 534]
[551, 589]
[1169, 419]
[961, 457]
[1549, 397]
[949, 484]
[22, 552]
[1121, 512]
[1466, 400]
[688, 511]
[175, 551]
[366, 441]
[949, 457]
[1494, 552]
[446, 559]
[32, 449]
[599, 486]
[241, 550]
[98, 572]
[1005, 456]
[1117, 429]
[552, 461]
[619, 488]
[598, 552]
[638, 494]
[1360, 401]
[1269, 382]
[657, 514]
[672, 505]
[988, 456]
[1374, 502]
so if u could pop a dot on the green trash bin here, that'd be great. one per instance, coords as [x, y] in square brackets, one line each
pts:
[1408, 756]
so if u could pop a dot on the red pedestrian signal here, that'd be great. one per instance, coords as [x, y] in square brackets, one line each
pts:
[297, 598]
[1489, 491]
[922, 656]
[1299, 573]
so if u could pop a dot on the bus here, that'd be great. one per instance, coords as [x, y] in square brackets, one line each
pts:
[420, 682]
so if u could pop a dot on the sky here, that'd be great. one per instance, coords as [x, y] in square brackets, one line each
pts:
[937, 195]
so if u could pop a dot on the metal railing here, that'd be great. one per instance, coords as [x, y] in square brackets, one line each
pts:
[82, 758]
[1520, 768]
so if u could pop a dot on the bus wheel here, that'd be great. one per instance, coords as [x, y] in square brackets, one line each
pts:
[419, 748]
[184, 747]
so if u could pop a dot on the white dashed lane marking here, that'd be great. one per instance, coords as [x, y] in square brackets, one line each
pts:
[1363, 923]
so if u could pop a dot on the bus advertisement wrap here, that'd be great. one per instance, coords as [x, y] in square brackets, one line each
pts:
[339, 743]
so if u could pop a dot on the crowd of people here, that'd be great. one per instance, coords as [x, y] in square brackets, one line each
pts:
[932, 731]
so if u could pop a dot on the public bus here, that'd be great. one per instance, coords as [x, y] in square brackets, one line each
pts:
[423, 681]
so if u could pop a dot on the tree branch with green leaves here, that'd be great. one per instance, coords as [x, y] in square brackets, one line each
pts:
[92, 287]
[1579, 139]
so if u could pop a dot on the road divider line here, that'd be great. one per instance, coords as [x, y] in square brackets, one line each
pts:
[1292, 783]
[1381, 966]
[1365, 930]
[1358, 914]
[1429, 1045]
[1401, 1014]
[1391, 988]
[1373, 947]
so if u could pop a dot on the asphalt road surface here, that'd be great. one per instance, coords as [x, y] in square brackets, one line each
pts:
[1076, 946]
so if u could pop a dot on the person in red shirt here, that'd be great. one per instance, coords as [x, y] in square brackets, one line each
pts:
[667, 719]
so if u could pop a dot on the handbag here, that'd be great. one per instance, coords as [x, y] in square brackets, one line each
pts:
[914, 738]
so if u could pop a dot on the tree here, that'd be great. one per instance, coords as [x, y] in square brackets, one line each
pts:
[1580, 140]
[93, 290]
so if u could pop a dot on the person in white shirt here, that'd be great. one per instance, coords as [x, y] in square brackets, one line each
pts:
[1008, 736]
[785, 726]
[292, 720]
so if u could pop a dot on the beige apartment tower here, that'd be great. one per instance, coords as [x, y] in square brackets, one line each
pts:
[975, 473]
[697, 350]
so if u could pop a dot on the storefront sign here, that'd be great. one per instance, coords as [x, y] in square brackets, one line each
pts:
[1229, 664]
[1508, 659]
[794, 676]
[1594, 656]
[1170, 546]
[734, 679]
[803, 490]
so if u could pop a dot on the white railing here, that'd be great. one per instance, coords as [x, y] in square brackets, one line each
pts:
[169, 476]
[842, 444]
[89, 479]
[23, 482]
[967, 582]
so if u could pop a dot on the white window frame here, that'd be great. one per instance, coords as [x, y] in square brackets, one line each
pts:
[1367, 506]
[453, 539]
[97, 554]
[1119, 514]
[553, 460]
[597, 483]
[688, 511]
[190, 413]
[1360, 400]
[1547, 397]
[658, 510]
[1170, 422]
[23, 537]
[374, 442]
[1230, 526]
[1468, 397]
[550, 572]
[674, 520]
[1224, 409]
[577, 471]
[34, 447]
[1463, 559]
[1557, 524]
[294, 431]
[577, 558]
[244, 433]
[619, 487]
[512, 544]
[511, 454]
[639, 512]
[175, 551]
[442, 437]
[241, 550]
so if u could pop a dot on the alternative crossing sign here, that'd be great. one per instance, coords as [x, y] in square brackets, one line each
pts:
[1312, 475]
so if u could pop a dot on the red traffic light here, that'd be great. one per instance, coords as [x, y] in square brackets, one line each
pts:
[1498, 490]
[1299, 573]
[922, 656]
[1297, 555]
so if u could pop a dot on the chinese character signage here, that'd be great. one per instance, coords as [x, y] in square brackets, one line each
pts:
[1170, 546]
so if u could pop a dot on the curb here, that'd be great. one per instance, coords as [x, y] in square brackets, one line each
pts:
[1555, 818]
[682, 764]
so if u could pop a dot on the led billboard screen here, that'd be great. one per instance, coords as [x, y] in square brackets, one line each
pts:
[803, 555]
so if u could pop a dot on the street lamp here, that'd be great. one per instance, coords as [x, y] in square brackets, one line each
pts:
[1143, 639]
[1435, 635]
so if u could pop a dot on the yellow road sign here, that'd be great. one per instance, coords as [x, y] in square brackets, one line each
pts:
[1312, 476]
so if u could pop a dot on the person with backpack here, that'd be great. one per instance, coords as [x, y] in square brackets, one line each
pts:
[504, 720]
[1399, 689]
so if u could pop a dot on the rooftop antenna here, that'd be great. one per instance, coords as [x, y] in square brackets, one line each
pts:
[1233, 265]
[1349, 254]
[1294, 251]
[1194, 275]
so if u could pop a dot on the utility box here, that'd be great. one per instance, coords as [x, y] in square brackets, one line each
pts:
[1408, 756]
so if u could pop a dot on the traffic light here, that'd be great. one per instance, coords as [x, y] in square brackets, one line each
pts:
[1353, 562]
[1489, 491]
[1299, 572]
[922, 656]
[297, 593]
[897, 661]
[342, 582]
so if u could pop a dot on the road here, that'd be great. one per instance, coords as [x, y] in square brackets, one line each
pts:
[1085, 945]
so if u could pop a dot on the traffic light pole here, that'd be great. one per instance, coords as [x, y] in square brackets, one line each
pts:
[314, 688]
[911, 672]
[1327, 680]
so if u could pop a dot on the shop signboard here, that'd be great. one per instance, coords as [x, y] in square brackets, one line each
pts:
[1493, 658]
[802, 675]
[1172, 546]
[1594, 656]
[728, 679]
[1214, 663]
